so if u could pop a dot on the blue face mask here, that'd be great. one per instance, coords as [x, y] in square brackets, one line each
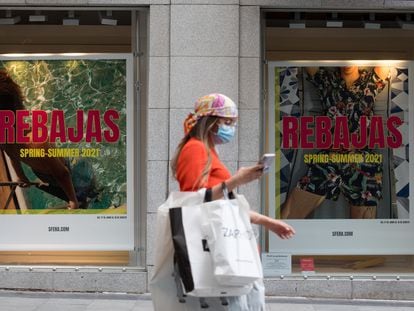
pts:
[225, 133]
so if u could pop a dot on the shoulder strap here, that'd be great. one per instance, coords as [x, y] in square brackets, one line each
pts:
[208, 197]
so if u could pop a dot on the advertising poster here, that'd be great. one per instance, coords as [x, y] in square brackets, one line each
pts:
[341, 132]
[66, 146]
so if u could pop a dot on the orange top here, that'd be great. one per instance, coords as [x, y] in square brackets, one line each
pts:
[191, 162]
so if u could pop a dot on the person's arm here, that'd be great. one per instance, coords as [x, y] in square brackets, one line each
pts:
[56, 168]
[243, 176]
[192, 162]
[282, 229]
[62, 175]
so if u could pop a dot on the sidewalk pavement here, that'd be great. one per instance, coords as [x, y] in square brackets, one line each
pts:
[51, 301]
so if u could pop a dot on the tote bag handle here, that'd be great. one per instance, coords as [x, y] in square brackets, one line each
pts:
[208, 197]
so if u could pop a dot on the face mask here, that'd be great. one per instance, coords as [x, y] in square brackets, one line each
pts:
[225, 133]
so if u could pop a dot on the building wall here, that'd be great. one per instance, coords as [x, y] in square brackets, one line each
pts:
[189, 58]
[198, 47]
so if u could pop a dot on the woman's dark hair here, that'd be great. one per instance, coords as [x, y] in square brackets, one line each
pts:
[11, 97]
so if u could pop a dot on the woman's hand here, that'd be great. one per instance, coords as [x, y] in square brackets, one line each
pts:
[73, 205]
[23, 182]
[282, 229]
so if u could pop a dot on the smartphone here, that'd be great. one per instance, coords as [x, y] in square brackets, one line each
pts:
[267, 160]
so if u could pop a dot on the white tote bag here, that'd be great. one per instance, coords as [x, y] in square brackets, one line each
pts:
[232, 242]
[162, 286]
[193, 256]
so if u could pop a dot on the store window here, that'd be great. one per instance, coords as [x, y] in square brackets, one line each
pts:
[338, 113]
[70, 153]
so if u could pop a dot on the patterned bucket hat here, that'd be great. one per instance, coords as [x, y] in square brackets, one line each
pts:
[215, 104]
